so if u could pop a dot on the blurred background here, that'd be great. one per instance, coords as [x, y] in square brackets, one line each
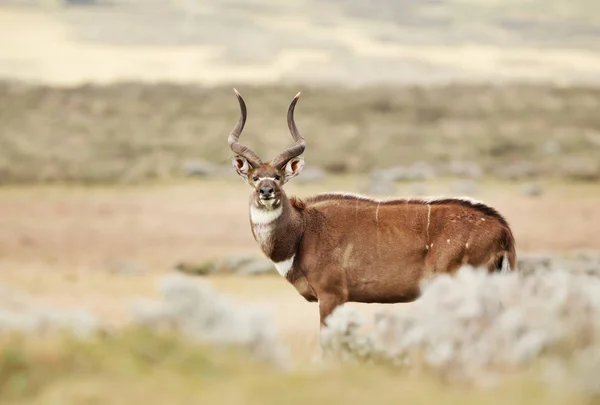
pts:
[115, 168]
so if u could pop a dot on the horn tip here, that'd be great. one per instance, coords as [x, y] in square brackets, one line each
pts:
[298, 95]
[236, 92]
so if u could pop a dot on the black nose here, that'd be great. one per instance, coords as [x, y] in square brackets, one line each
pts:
[266, 191]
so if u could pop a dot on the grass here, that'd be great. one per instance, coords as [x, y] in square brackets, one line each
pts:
[57, 239]
[130, 133]
[30, 368]
[72, 246]
[134, 365]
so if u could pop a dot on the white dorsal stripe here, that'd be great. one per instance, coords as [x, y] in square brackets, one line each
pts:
[261, 216]
[285, 266]
[425, 200]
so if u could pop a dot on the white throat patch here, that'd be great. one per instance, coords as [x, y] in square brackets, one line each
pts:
[285, 266]
[263, 223]
[260, 216]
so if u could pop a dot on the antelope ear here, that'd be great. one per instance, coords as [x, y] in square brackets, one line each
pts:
[241, 166]
[293, 168]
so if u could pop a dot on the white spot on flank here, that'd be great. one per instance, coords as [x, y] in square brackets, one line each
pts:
[467, 245]
[261, 216]
[347, 253]
[431, 244]
[448, 240]
[285, 266]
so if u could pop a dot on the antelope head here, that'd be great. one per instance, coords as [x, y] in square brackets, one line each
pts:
[267, 179]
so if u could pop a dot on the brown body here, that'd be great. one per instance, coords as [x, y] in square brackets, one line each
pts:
[335, 248]
[349, 248]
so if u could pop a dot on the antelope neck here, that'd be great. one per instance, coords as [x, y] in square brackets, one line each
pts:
[275, 229]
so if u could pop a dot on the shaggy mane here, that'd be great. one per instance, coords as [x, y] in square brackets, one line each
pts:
[297, 203]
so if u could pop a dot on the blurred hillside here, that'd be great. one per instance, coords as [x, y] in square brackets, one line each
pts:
[148, 85]
[132, 132]
[343, 41]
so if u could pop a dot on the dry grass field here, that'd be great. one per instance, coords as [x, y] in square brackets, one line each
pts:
[100, 248]
[154, 370]
[103, 107]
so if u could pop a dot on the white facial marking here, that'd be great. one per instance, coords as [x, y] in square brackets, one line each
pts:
[266, 178]
[268, 204]
[285, 266]
[260, 216]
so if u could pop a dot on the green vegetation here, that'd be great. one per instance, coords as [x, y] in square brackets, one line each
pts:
[133, 362]
[134, 365]
[134, 132]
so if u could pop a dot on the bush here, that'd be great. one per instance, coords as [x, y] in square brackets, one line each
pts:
[20, 313]
[473, 326]
[194, 309]
[188, 307]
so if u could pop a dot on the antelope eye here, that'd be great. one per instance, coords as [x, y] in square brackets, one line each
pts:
[255, 178]
[277, 177]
